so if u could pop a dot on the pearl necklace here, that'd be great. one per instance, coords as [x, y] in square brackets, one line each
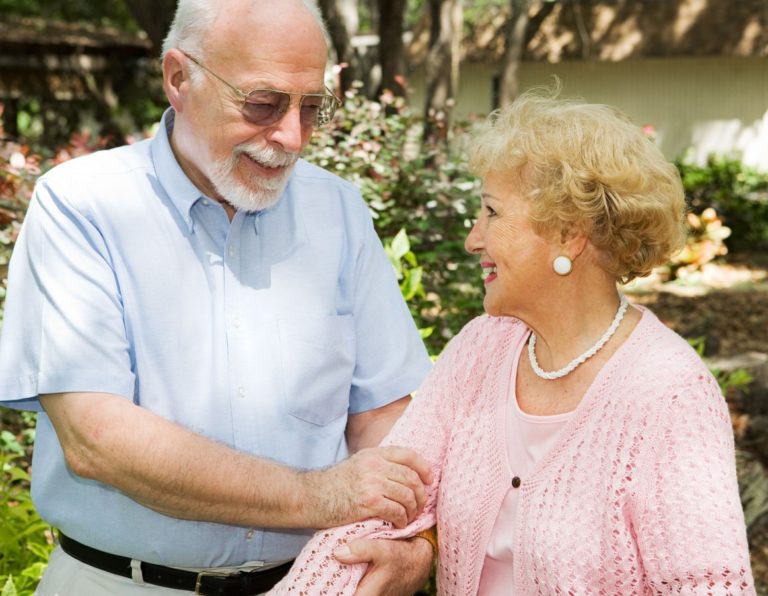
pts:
[571, 366]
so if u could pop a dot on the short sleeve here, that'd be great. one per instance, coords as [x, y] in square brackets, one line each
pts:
[391, 358]
[63, 328]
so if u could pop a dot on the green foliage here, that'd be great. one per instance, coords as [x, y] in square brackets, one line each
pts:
[18, 172]
[25, 539]
[408, 273]
[738, 193]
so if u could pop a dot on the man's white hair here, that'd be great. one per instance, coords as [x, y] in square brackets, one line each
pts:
[194, 18]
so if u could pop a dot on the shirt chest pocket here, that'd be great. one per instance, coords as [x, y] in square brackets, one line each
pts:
[317, 354]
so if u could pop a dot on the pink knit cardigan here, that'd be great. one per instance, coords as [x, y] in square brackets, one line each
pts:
[638, 496]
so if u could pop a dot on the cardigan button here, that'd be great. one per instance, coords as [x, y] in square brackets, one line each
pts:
[516, 482]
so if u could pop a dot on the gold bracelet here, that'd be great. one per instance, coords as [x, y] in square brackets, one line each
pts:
[430, 535]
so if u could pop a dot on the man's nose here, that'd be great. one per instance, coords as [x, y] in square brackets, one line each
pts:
[288, 132]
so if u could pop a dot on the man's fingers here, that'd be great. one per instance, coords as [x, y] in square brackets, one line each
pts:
[390, 511]
[403, 497]
[384, 482]
[411, 459]
[411, 481]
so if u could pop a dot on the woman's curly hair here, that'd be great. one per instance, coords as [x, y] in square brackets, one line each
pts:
[587, 169]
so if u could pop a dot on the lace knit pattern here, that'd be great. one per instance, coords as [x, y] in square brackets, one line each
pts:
[638, 496]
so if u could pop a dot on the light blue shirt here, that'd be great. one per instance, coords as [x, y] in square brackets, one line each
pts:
[264, 333]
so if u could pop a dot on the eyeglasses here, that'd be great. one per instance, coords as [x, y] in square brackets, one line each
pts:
[264, 107]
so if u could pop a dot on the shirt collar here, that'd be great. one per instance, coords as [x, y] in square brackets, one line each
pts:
[177, 185]
[179, 188]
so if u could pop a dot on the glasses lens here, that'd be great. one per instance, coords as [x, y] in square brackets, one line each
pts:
[317, 109]
[328, 109]
[265, 107]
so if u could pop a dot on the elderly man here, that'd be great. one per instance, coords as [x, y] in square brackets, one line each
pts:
[207, 324]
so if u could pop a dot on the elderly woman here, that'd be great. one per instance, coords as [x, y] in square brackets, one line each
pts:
[579, 445]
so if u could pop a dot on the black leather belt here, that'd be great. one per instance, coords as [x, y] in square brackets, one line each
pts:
[243, 583]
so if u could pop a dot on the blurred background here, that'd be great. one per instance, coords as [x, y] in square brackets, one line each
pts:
[77, 76]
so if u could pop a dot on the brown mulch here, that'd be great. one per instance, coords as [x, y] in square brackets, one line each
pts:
[732, 321]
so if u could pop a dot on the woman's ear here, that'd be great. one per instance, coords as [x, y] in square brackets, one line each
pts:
[572, 243]
[175, 78]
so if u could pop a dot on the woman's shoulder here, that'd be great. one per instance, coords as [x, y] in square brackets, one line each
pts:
[479, 344]
[662, 365]
[493, 326]
[658, 347]
[484, 332]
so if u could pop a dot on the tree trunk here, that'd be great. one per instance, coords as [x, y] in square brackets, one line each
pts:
[342, 19]
[391, 17]
[513, 53]
[154, 17]
[520, 29]
[442, 66]
[10, 113]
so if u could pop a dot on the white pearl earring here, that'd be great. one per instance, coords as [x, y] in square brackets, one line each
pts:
[562, 265]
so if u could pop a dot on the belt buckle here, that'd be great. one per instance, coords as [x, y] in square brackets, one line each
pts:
[202, 574]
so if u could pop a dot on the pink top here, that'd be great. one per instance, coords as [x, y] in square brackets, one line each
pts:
[529, 438]
[638, 495]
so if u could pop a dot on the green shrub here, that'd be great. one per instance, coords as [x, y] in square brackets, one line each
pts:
[25, 540]
[737, 192]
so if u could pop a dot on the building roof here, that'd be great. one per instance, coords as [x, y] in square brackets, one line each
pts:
[54, 59]
[616, 30]
[41, 36]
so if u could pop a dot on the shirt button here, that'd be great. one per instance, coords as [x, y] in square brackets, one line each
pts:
[212, 259]
[241, 391]
[206, 202]
[249, 534]
[236, 322]
[516, 482]
[231, 252]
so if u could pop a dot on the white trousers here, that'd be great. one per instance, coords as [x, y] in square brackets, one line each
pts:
[66, 576]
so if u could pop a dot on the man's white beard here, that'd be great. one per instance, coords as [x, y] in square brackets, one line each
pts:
[258, 193]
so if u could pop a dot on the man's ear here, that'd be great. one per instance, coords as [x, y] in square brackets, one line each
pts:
[176, 78]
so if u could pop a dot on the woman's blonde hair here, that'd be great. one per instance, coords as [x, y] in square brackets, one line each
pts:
[586, 169]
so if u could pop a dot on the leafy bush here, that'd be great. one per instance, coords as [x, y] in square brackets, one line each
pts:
[706, 241]
[25, 540]
[738, 193]
[18, 172]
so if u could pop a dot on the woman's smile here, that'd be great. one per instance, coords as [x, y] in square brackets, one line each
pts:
[489, 272]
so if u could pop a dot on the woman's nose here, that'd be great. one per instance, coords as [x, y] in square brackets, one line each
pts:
[474, 242]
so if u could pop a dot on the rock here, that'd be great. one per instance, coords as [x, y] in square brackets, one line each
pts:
[753, 487]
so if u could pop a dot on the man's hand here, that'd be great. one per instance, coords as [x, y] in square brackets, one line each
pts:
[395, 567]
[384, 482]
